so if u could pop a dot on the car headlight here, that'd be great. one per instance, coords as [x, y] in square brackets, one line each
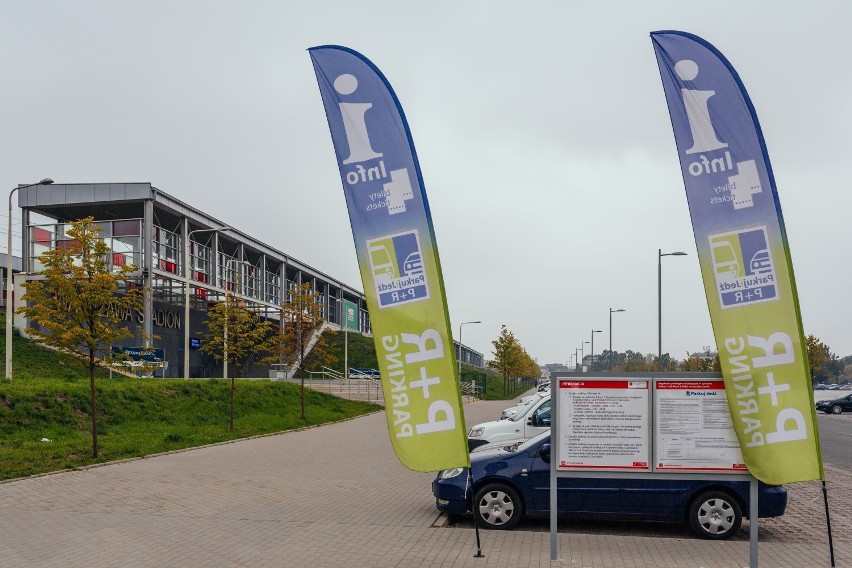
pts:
[475, 432]
[450, 473]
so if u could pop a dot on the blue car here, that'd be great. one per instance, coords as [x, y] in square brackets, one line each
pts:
[514, 481]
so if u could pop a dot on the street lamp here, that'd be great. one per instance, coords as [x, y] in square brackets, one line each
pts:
[10, 287]
[581, 355]
[592, 364]
[460, 342]
[575, 358]
[460, 350]
[611, 311]
[660, 255]
[345, 317]
[187, 274]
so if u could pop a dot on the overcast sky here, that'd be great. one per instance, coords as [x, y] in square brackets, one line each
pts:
[541, 127]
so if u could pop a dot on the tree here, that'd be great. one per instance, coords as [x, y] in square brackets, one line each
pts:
[302, 316]
[510, 358]
[822, 362]
[248, 339]
[705, 363]
[76, 307]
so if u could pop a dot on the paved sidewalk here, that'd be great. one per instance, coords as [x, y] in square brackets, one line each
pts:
[336, 496]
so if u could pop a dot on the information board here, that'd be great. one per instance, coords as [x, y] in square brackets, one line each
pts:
[652, 424]
[603, 425]
[693, 430]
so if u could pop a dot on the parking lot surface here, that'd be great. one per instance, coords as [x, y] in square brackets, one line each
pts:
[336, 496]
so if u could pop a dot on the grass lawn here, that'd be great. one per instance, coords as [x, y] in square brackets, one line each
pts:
[45, 424]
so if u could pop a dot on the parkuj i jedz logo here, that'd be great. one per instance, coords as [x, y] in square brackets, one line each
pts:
[395, 260]
[742, 259]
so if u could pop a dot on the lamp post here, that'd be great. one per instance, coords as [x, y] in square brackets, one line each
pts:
[462, 324]
[581, 355]
[187, 274]
[611, 311]
[660, 255]
[10, 287]
[345, 317]
[576, 359]
[592, 364]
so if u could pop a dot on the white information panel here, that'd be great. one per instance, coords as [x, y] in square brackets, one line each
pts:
[694, 431]
[604, 425]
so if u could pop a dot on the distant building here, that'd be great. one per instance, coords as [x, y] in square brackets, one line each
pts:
[150, 229]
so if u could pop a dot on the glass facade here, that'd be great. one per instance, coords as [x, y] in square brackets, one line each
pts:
[123, 238]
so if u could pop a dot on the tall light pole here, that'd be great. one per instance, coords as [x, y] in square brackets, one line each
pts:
[592, 364]
[581, 355]
[575, 358]
[611, 311]
[460, 351]
[660, 255]
[187, 274]
[10, 287]
[460, 342]
[345, 316]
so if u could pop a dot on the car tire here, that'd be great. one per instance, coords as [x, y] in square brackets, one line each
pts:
[715, 515]
[497, 506]
[837, 409]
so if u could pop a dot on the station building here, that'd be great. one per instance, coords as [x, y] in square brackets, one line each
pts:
[151, 229]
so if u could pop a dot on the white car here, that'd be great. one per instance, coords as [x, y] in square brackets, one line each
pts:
[521, 405]
[530, 421]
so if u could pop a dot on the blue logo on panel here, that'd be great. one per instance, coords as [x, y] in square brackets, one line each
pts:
[396, 263]
[743, 267]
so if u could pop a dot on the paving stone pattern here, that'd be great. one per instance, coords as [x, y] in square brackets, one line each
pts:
[336, 496]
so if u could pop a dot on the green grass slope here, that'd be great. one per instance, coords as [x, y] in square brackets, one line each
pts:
[45, 413]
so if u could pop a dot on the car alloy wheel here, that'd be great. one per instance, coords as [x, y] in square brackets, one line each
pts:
[715, 515]
[497, 506]
[836, 409]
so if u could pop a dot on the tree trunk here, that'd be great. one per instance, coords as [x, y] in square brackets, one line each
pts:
[94, 407]
[231, 423]
[301, 362]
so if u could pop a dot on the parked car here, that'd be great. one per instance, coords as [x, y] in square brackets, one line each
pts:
[520, 406]
[836, 405]
[513, 482]
[531, 420]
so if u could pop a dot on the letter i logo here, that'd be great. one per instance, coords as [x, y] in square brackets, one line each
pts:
[703, 135]
[354, 124]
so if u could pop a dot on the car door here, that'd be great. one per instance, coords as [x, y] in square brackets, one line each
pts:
[585, 495]
[538, 420]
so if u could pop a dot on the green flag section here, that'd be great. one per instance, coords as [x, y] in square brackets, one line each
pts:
[350, 315]
[744, 258]
[398, 260]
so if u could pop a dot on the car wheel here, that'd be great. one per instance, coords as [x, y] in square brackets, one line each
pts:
[715, 515]
[497, 506]
[837, 409]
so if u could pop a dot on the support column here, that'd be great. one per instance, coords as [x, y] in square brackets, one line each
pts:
[148, 269]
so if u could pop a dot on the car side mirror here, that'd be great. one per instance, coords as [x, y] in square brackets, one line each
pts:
[544, 452]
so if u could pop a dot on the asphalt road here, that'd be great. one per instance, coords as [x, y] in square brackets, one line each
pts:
[835, 433]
